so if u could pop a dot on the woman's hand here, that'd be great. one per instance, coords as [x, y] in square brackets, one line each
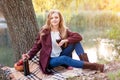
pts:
[62, 42]
[25, 56]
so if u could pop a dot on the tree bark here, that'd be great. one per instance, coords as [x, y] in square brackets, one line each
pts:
[22, 24]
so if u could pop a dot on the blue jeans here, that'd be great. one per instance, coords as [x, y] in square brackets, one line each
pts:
[65, 59]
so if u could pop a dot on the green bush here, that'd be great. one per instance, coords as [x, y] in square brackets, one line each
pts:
[114, 32]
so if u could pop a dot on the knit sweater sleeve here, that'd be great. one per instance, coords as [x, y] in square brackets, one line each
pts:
[73, 37]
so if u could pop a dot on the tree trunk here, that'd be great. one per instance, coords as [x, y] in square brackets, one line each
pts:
[22, 24]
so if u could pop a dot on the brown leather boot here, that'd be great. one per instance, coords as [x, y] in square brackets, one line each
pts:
[84, 57]
[93, 66]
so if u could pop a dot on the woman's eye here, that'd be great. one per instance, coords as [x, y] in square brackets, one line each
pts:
[56, 17]
[51, 18]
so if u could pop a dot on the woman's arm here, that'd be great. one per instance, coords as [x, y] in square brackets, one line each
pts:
[73, 37]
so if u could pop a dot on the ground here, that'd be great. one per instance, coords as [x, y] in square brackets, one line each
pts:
[112, 72]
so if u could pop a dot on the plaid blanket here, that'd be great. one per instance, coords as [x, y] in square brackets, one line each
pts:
[36, 74]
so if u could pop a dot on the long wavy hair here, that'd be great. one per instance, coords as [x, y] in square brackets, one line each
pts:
[62, 28]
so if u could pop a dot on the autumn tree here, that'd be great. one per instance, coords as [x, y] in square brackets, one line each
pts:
[76, 5]
[22, 24]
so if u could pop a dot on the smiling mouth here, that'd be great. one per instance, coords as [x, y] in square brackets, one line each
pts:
[54, 22]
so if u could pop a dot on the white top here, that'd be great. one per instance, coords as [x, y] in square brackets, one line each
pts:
[56, 50]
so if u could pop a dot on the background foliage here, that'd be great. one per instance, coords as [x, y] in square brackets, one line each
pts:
[82, 14]
[76, 5]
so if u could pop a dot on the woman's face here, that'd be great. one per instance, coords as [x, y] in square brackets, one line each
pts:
[55, 19]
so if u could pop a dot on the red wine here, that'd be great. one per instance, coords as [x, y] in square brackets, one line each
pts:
[58, 40]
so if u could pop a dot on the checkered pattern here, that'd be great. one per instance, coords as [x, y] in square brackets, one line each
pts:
[36, 73]
[7, 72]
[35, 59]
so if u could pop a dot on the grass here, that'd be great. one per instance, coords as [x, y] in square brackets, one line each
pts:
[6, 56]
[114, 75]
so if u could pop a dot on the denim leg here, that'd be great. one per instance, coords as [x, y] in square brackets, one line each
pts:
[79, 49]
[57, 61]
[68, 50]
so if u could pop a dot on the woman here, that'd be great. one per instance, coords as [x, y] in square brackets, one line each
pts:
[55, 44]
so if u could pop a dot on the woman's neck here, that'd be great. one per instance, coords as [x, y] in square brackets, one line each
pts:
[54, 29]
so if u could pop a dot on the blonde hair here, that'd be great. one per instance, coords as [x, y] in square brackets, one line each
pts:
[62, 28]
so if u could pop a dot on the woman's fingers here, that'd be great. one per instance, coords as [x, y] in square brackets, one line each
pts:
[25, 56]
[62, 42]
